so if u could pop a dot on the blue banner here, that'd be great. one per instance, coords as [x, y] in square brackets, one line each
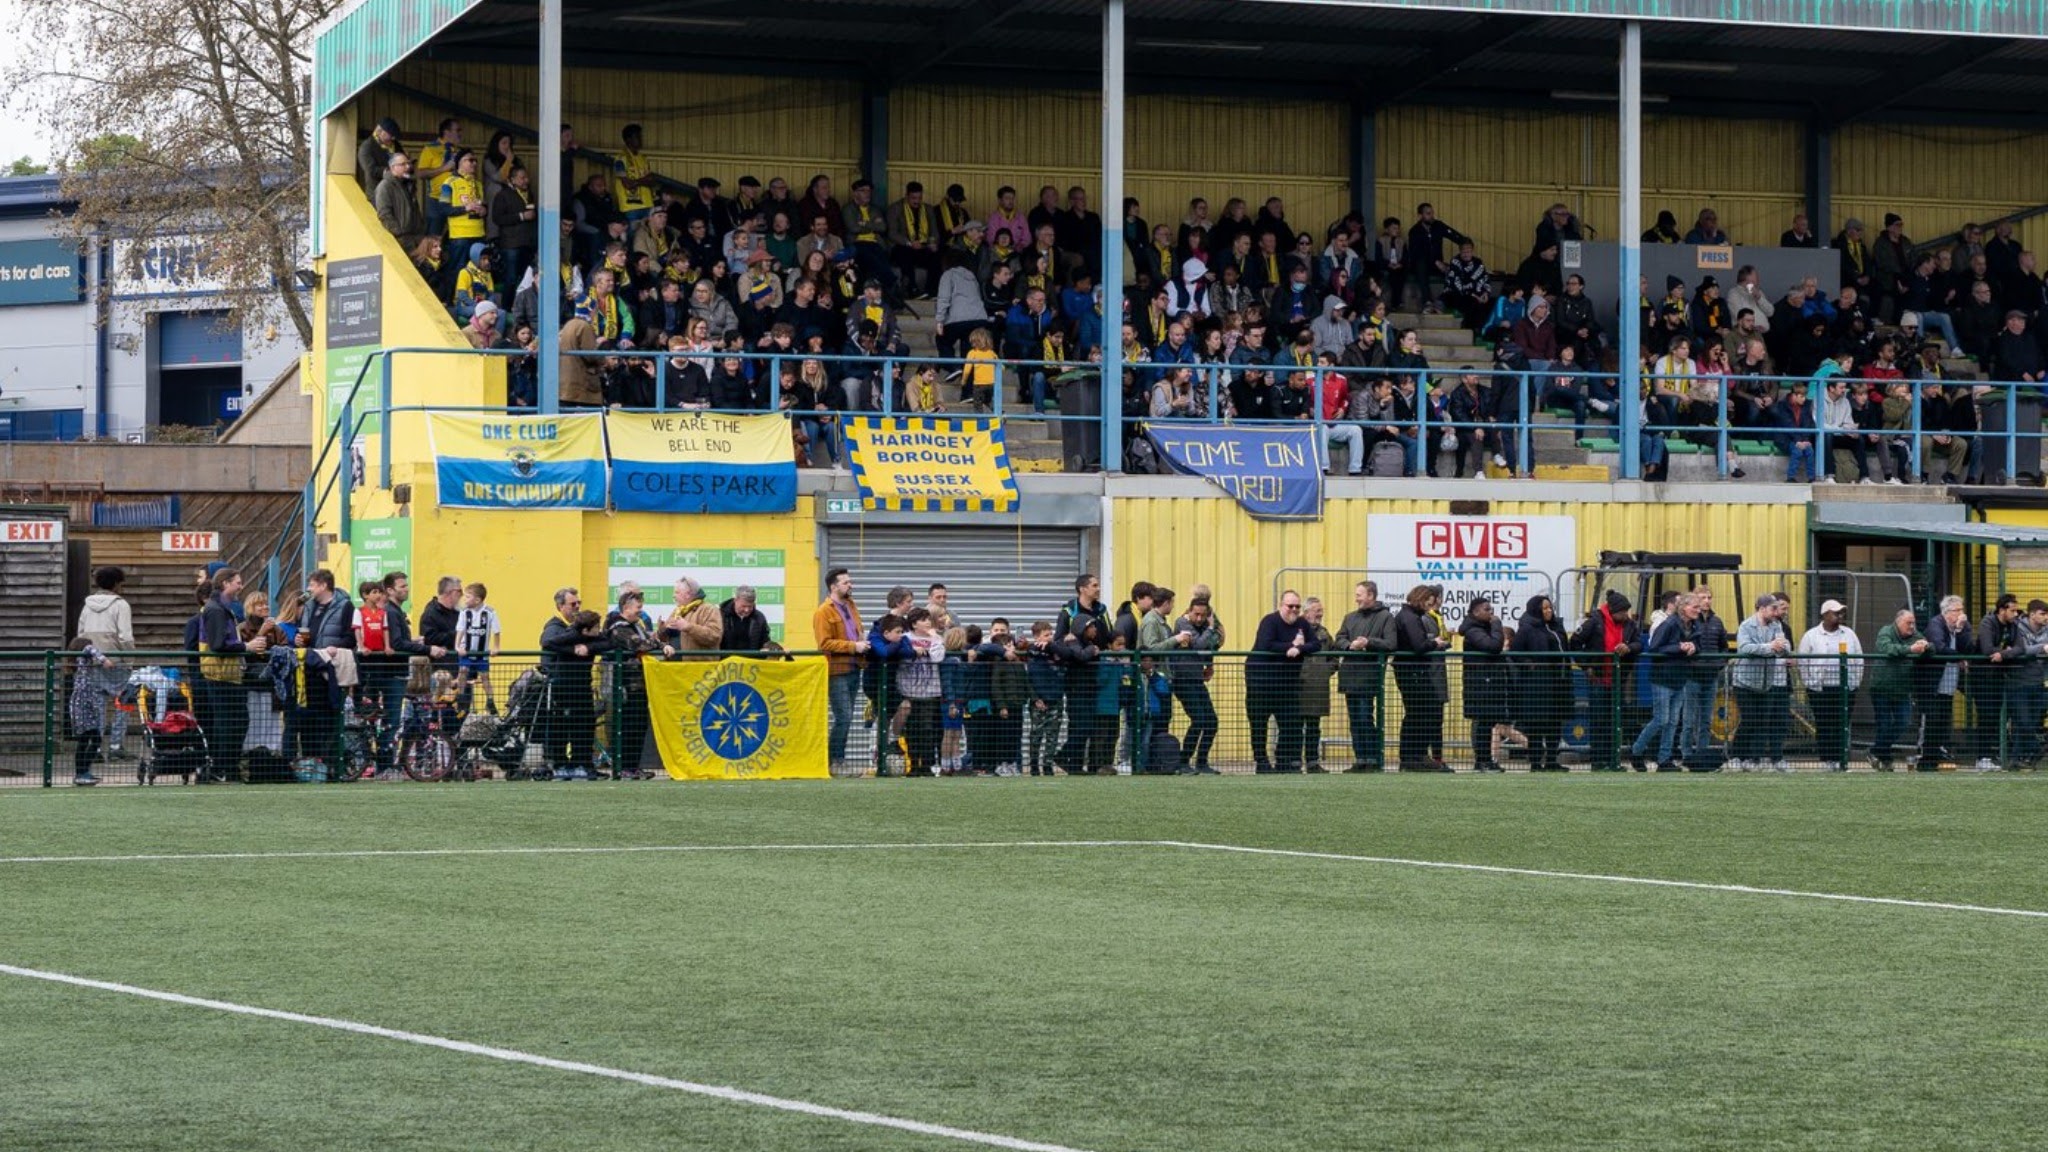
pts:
[518, 461]
[1273, 473]
[699, 462]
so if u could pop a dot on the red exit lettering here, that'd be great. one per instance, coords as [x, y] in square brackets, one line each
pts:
[191, 542]
[1470, 540]
[33, 531]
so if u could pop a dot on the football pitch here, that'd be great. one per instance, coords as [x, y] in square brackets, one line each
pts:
[1167, 965]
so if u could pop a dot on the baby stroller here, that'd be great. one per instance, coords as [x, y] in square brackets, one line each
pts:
[501, 741]
[174, 745]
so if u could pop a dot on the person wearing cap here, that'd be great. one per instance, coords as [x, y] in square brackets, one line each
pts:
[653, 236]
[2015, 356]
[715, 210]
[914, 239]
[476, 283]
[749, 203]
[1664, 231]
[373, 157]
[482, 329]
[1831, 668]
[1612, 636]
[1762, 689]
[1855, 254]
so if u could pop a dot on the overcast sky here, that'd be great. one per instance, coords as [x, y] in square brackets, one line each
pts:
[19, 135]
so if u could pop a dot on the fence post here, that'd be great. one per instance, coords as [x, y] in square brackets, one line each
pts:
[49, 718]
[1419, 458]
[1848, 695]
[889, 388]
[2012, 436]
[616, 710]
[1615, 685]
[1525, 440]
[1913, 444]
[384, 418]
[1721, 429]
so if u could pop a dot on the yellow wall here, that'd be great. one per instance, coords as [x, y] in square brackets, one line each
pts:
[412, 318]
[1238, 556]
[695, 125]
[1492, 174]
[1176, 148]
[1939, 178]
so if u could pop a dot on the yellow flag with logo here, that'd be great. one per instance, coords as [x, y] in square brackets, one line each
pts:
[740, 718]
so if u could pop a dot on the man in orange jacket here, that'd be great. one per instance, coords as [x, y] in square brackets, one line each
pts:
[837, 630]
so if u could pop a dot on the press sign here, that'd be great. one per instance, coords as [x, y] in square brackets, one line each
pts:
[31, 532]
[207, 542]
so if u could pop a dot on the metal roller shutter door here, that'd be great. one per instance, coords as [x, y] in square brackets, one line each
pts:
[996, 571]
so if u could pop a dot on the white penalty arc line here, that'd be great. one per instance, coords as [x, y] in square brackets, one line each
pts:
[574, 850]
[514, 1056]
[1604, 878]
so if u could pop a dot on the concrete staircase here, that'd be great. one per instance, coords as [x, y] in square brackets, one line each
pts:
[1034, 445]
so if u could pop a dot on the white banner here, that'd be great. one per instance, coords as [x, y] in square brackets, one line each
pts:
[1506, 559]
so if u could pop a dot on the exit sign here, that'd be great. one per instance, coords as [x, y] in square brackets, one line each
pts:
[207, 542]
[843, 506]
[31, 532]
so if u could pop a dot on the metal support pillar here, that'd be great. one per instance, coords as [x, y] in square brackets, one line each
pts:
[1365, 163]
[1112, 281]
[874, 141]
[547, 194]
[1820, 176]
[1627, 293]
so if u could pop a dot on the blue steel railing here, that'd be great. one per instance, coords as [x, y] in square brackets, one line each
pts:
[888, 374]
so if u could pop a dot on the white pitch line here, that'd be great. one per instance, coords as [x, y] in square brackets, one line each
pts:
[513, 1056]
[1647, 881]
[598, 850]
[968, 845]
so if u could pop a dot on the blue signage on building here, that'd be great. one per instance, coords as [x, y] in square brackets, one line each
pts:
[1274, 473]
[40, 272]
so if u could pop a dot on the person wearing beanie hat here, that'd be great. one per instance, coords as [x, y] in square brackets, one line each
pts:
[1891, 262]
[1665, 231]
[1612, 636]
[1856, 258]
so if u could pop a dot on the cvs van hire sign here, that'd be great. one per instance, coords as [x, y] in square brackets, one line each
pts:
[1506, 559]
[31, 531]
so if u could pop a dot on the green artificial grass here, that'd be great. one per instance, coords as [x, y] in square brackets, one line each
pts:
[1113, 999]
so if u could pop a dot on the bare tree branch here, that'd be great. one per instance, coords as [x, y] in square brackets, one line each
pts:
[209, 92]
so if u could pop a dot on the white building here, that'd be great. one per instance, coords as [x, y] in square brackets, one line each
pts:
[164, 355]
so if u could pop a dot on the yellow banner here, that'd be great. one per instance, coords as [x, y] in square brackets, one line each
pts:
[739, 719]
[930, 464]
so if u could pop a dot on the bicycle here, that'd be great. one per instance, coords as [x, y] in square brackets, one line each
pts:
[424, 750]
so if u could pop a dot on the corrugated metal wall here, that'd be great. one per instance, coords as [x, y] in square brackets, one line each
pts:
[1183, 542]
[1177, 148]
[1939, 178]
[696, 125]
[1492, 174]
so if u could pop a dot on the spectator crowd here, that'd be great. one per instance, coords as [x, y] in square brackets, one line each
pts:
[1150, 686]
[767, 299]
